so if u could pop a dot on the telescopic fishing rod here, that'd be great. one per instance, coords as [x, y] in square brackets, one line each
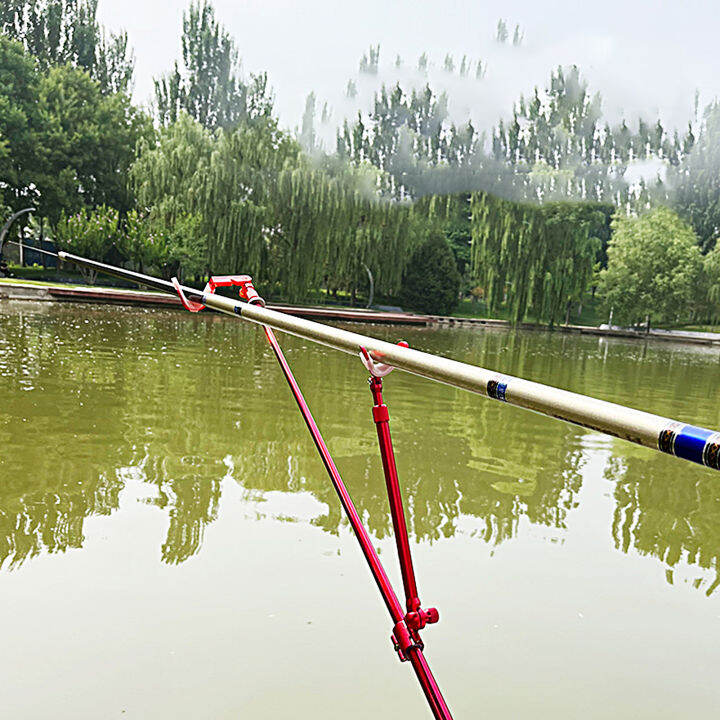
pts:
[683, 440]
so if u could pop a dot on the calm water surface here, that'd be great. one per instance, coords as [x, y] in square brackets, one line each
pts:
[170, 546]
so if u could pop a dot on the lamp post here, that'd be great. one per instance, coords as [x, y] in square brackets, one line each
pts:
[6, 228]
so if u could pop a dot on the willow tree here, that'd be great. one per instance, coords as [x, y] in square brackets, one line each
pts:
[269, 210]
[534, 258]
[167, 171]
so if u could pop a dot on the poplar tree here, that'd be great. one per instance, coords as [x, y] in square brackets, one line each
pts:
[696, 182]
[370, 61]
[501, 32]
[59, 32]
[208, 85]
[307, 131]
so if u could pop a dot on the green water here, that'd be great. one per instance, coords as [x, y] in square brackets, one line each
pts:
[170, 546]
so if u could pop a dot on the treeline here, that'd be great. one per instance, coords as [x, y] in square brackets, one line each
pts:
[212, 186]
[555, 146]
[208, 182]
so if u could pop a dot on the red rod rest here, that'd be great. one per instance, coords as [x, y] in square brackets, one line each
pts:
[243, 282]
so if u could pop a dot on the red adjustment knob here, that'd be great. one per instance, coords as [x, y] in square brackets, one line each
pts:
[418, 619]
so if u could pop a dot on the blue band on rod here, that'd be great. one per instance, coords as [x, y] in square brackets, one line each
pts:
[496, 389]
[690, 443]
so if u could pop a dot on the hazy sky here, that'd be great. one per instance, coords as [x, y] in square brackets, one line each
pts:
[644, 56]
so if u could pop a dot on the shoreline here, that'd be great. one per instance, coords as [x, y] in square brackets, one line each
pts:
[47, 292]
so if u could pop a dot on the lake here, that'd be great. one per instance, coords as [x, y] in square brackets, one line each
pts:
[171, 547]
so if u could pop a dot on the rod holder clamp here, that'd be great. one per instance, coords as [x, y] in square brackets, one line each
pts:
[404, 639]
[244, 284]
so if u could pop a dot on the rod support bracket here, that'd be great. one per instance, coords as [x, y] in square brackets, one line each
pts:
[244, 283]
[377, 369]
[404, 639]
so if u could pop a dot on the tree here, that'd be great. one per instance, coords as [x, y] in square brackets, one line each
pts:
[501, 32]
[518, 36]
[431, 281]
[696, 191]
[711, 268]
[64, 144]
[91, 234]
[307, 132]
[21, 158]
[209, 87]
[88, 142]
[370, 60]
[267, 209]
[537, 258]
[653, 268]
[66, 32]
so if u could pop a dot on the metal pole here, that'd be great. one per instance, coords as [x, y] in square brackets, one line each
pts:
[381, 418]
[683, 440]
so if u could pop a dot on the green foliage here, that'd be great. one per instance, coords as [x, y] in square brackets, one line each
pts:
[170, 246]
[537, 258]
[88, 142]
[555, 146]
[711, 269]
[370, 60]
[268, 211]
[63, 144]
[654, 267]
[307, 131]
[431, 282]
[20, 125]
[66, 32]
[91, 234]
[221, 187]
[208, 87]
[451, 213]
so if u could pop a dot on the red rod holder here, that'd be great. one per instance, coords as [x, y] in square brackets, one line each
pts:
[416, 618]
[243, 282]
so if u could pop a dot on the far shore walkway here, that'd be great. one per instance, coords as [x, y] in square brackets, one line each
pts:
[41, 292]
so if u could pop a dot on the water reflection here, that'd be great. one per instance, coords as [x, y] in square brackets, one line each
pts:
[183, 402]
[676, 522]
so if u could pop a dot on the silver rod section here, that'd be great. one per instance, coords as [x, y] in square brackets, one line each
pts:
[683, 440]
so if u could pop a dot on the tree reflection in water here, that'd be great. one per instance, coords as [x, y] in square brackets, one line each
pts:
[173, 397]
[677, 522]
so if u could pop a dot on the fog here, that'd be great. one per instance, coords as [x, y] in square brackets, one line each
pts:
[646, 58]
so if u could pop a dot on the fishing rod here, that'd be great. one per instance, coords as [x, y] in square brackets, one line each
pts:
[683, 440]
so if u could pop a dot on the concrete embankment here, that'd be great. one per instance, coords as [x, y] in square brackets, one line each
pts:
[60, 293]
[63, 293]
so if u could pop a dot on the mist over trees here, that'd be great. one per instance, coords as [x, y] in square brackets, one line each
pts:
[210, 182]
